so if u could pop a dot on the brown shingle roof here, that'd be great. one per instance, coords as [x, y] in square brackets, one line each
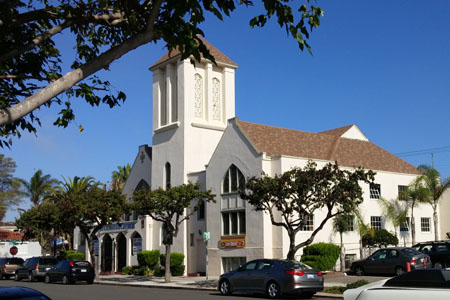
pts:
[337, 131]
[7, 235]
[275, 141]
[218, 55]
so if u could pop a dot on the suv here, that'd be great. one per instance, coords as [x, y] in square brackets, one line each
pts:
[438, 251]
[8, 266]
[35, 268]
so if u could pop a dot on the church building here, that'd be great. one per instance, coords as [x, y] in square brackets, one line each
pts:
[197, 137]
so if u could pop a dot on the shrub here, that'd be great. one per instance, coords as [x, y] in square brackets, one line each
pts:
[356, 284]
[127, 270]
[382, 237]
[322, 256]
[71, 254]
[342, 289]
[176, 263]
[148, 258]
[142, 271]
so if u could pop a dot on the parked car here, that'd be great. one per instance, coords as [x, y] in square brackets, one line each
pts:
[21, 292]
[418, 285]
[438, 251]
[35, 268]
[393, 260]
[272, 277]
[71, 271]
[8, 266]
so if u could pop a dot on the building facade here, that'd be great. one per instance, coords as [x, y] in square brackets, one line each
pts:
[197, 137]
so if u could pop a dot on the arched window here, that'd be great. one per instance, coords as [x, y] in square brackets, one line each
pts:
[167, 174]
[233, 180]
[136, 243]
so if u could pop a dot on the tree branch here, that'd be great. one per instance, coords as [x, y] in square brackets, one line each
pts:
[11, 114]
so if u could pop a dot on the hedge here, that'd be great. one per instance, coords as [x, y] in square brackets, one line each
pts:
[148, 259]
[322, 256]
[71, 254]
[176, 264]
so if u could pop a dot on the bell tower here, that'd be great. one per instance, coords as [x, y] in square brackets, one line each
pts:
[191, 106]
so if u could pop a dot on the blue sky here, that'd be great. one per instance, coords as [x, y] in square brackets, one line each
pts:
[382, 65]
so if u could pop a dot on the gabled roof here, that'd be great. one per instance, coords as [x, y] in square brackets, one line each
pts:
[218, 55]
[337, 131]
[275, 141]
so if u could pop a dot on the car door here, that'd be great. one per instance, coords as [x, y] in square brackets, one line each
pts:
[376, 263]
[393, 260]
[242, 280]
[56, 273]
[262, 273]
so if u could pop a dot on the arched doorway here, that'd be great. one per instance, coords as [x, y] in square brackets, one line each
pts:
[121, 251]
[106, 254]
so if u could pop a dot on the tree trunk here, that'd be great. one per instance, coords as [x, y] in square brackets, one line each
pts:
[91, 253]
[167, 274]
[342, 254]
[413, 228]
[291, 253]
[436, 224]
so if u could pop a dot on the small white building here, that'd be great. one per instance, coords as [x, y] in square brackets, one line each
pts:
[196, 137]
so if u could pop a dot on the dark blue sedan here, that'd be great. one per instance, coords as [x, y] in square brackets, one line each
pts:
[20, 292]
[71, 271]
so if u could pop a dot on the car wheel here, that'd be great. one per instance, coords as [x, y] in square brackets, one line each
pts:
[438, 265]
[225, 287]
[399, 271]
[90, 281]
[273, 290]
[359, 271]
[65, 280]
[31, 277]
[47, 279]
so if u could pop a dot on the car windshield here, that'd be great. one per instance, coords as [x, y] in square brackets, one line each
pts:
[292, 264]
[411, 251]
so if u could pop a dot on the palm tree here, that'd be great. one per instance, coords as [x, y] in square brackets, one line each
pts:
[414, 195]
[436, 186]
[341, 224]
[38, 187]
[395, 211]
[120, 177]
[363, 229]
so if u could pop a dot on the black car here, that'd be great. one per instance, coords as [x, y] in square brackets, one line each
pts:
[9, 265]
[393, 260]
[274, 277]
[35, 268]
[20, 292]
[71, 271]
[438, 251]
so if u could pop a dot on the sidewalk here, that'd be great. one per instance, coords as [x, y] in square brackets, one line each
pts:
[331, 279]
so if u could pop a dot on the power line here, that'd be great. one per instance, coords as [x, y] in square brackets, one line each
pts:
[424, 151]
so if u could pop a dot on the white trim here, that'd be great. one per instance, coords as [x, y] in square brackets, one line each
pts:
[208, 126]
[167, 127]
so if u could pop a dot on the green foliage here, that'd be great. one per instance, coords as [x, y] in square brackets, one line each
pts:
[39, 187]
[71, 254]
[381, 238]
[322, 256]
[342, 289]
[299, 192]
[127, 270]
[10, 192]
[119, 177]
[142, 271]
[176, 263]
[103, 31]
[148, 258]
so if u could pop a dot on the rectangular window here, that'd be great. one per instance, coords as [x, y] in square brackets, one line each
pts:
[402, 192]
[425, 224]
[163, 104]
[375, 191]
[191, 239]
[350, 223]
[308, 224]
[201, 211]
[405, 226]
[232, 263]
[233, 222]
[375, 222]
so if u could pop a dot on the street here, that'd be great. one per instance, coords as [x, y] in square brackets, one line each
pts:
[81, 291]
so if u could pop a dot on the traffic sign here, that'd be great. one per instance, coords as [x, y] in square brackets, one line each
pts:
[13, 250]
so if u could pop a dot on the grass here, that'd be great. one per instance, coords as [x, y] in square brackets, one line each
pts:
[341, 289]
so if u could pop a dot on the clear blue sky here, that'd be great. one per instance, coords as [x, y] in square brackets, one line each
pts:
[382, 65]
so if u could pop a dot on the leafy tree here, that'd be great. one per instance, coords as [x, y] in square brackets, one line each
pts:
[9, 185]
[381, 238]
[363, 229]
[120, 176]
[395, 211]
[38, 187]
[414, 195]
[171, 207]
[436, 186]
[90, 210]
[298, 193]
[30, 63]
[342, 224]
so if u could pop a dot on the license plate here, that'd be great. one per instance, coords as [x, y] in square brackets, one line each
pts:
[46, 269]
[310, 276]
[83, 270]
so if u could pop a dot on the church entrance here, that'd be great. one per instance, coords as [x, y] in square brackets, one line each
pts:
[106, 265]
[121, 252]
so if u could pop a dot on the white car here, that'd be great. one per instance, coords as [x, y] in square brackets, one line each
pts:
[430, 284]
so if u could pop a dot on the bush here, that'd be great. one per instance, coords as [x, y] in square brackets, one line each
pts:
[127, 270]
[356, 284]
[71, 254]
[142, 271]
[176, 263]
[381, 238]
[342, 289]
[322, 256]
[148, 258]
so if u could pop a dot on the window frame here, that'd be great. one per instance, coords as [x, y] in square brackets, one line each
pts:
[309, 223]
[373, 221]
[375, 188]
[240, 215]
[424, 225]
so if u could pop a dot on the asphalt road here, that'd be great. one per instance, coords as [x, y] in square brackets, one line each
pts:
[81, 291]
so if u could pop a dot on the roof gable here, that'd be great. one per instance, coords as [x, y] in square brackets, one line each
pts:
[349, 132]
[275, 141]
[218, 55]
